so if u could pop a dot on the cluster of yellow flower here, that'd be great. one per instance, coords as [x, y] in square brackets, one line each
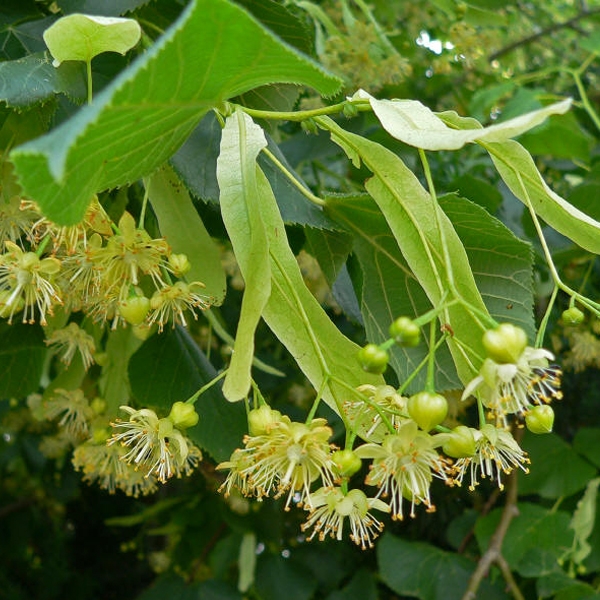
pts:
[112, 273]
[296, 460]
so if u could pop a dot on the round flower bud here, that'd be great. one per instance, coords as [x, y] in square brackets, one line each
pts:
[98, 405]
[373, 359]
[505, 344]
[262, 419]
[134, 309]
[540, 419]
[573, 316]
[346, 462]
[180, 264]
[183, 415]
[460, 442]
[405, 332]
[427, 410]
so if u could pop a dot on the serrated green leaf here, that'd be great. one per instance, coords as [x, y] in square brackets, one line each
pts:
[536, 538]
[170, 367]
[389, 288]
[412, 218]
[502, 264]
[330, 248]
[182, 227]
[22, 353]
[22, 38]
[139, 120]
[281, 21]
[196, 160]
[106, 8]
[416, 125]
[556, 470]
[419, 570]
[82, 37]
[293, 205]
[32, 80]
[241, 207]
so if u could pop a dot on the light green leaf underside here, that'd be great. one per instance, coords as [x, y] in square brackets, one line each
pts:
[411, 216]
[182, 227]
[241, 199]
[146, 113]
[520, 174]
[416, 125]
[81, 37]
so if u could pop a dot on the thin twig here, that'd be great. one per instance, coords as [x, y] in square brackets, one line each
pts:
[494, 552]
[570, 23]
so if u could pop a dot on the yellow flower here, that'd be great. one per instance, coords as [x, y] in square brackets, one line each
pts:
[156, 446]
[71, 339]
[331, 506]
[496, 452]
[288, 458]
[403, 468]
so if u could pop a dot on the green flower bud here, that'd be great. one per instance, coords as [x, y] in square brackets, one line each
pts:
[134, 309]
[573, 316]
[540, 419]
[460, 442]
[505, 344]
[262, 419]
[183, 415]
[98, 405]
[405, 332]
[180, 264]
[427, 410]
[347, 462]
[373, 359]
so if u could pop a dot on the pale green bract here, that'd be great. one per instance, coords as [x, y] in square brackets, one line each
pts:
[82, 37]
[414, 124]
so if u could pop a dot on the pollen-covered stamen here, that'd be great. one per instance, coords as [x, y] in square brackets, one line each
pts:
[403, 468]
[544, 386]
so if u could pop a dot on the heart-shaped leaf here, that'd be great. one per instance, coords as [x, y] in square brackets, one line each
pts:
[81, 37]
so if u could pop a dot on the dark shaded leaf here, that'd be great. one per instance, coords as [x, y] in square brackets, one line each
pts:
[22, 352]
[556, 470]
[169, 368]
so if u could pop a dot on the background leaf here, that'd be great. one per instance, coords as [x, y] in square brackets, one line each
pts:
[33, 79]
[556, 470]
[419, 570]
[169, 368]
[22, 354]
[141, 118]
[536, 538]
